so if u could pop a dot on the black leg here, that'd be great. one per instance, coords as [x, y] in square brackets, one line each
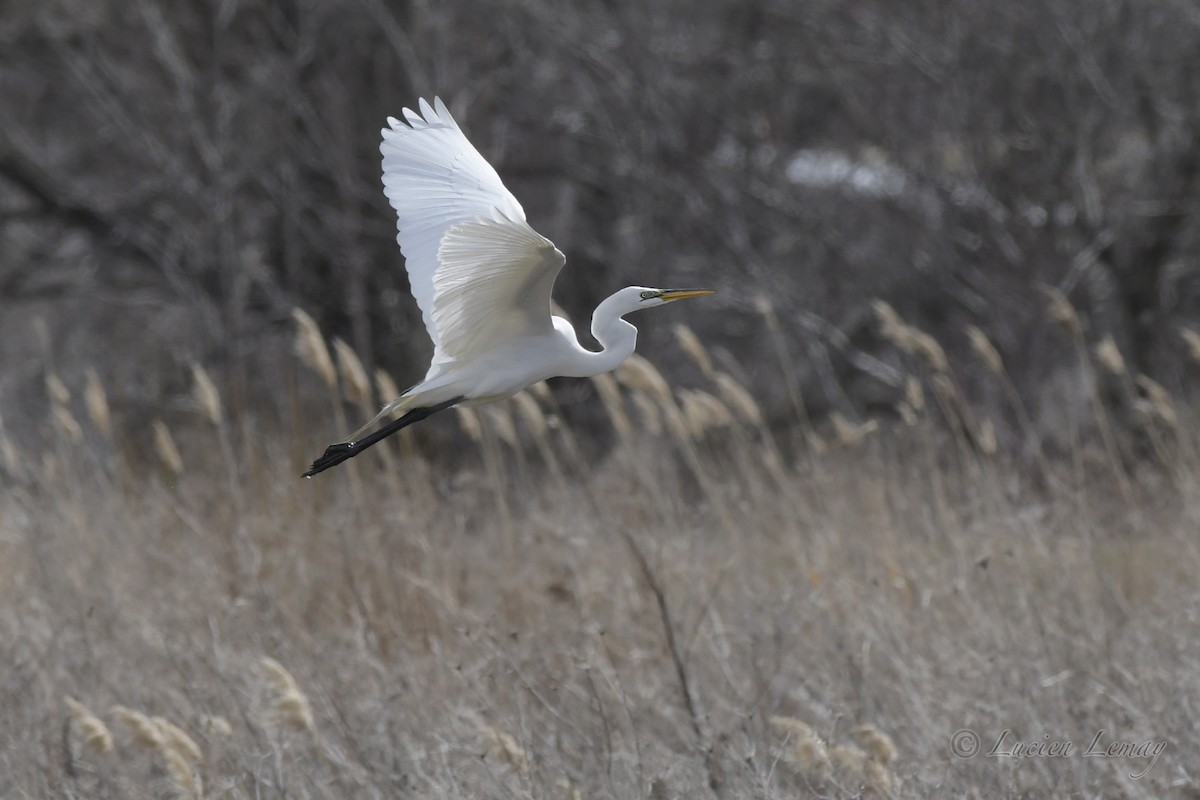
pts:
[337, 453]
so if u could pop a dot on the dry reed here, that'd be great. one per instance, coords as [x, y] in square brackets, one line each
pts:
[848, 433]
[310, 346]
[614, 405]
[57, 390]
[804, 749]
[205, 395]
[766, 310]
[738, 399]
[177, 739]
[178, 752]
[1158, 403]
[914, 393]
[703, 412]
[183, 774]
[690, 344]
[648, 413]
[65, 421]
[164, 445]
[355, 382]
[504, 749]
[531, 416]
[95, 733]
[1109, 356]
[289, 705]
[909, 339]
[386, 386]
[1191, 340]
[9, 458]
[1060, 310]
[468, 420]
[500, 417]
[213, 726]
[985, 438]
[640, 375]
[986, 351]
[95, 399]
[570, 790]
[146, 732]
[878, 745]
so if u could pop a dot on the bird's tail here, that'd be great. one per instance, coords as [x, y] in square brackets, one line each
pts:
[404, 401]
[337, 453]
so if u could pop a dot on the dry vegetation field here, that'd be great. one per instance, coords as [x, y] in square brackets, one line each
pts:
[707, 608]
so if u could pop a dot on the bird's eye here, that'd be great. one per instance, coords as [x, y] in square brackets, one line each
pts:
[648, 295]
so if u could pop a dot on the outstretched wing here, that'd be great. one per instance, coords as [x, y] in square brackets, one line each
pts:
[478, 271]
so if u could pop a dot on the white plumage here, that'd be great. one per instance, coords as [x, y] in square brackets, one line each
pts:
[482, 278]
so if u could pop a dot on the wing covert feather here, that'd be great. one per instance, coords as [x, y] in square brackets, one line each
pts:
[493, 285]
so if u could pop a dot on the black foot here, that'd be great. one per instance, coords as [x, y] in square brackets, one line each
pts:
[333, 455]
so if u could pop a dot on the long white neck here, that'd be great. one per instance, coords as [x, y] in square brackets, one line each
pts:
[615, 335]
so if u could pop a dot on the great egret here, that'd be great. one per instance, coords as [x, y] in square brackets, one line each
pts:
[482, 278]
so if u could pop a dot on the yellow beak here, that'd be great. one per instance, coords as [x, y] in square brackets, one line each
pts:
[682, 294]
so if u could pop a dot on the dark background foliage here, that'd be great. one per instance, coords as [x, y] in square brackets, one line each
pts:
[176, 175]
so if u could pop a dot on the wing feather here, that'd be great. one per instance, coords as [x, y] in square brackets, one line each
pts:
[437, 181]
[493, 285]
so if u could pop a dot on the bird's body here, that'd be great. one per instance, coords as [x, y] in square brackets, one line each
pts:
[482, 278]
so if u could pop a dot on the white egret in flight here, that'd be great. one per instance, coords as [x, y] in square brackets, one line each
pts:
[482, 278]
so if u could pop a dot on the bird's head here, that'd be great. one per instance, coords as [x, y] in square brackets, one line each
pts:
[639, 297]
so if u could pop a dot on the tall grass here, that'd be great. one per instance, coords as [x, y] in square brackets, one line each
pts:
[691, 614]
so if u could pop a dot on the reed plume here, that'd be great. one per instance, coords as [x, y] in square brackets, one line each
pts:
[703, 412]
[986, 351]
[57, 390]
[847, 432]
[985, 438]
[532, 416]
[1060, 310]
[310, 346]
[468, 420]
[614, 405]
[9, 458]
[1191, 339]
[205, 394]
[503, 748]
[502, 422]
[164, 445]
[738, 400]
[65, 421]
[648, 413]
[95, 733]
[853, 768]
[640, 375]
[804, 749]
[178, 752]
[386, 386]
[355, 382]
[909, 339]
[215, 726]
[95, 399]
[1158, 403]
[145, 731]
[690, 344]
[289, 705]
[877, 744]
[177, 739]
[1109, 356]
